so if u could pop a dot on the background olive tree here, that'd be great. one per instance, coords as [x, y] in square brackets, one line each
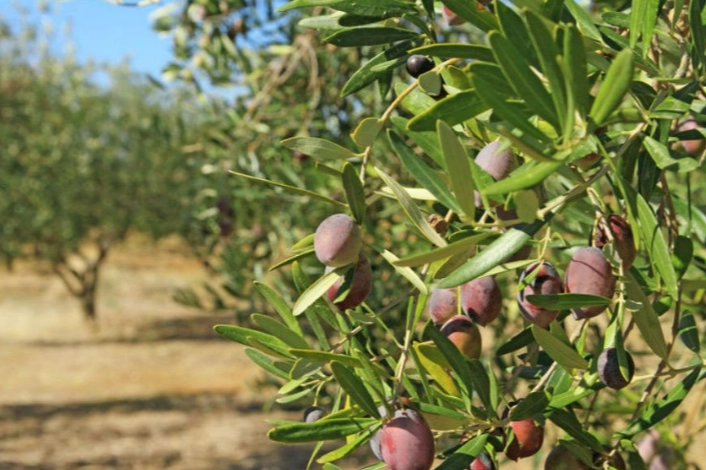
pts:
[604, 108]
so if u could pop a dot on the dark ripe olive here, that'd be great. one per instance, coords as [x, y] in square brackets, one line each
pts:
[360, 280]
[609, 369]
[463, 333]
[406, 442]
[481, 300]
[337, 241]
[313, 413]
[546, 282]
[589, 273]
[624, 240]
[419, 64]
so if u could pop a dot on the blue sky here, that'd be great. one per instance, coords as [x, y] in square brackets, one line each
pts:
[104, 31]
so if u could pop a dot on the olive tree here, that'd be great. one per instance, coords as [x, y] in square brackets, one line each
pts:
[531, 172]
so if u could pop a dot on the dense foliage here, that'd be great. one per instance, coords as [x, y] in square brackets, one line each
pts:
[594, 231]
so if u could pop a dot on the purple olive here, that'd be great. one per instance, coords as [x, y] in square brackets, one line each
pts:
[609, 369]
[497, 163]
[337, 241]
[313, 413]
[482, 462]
[406, 442]
[546, 282]
[442, 305]
[481, 300]
[589, 273]
[526, 439]
[360, 280]
[419, 64]
[624, 240]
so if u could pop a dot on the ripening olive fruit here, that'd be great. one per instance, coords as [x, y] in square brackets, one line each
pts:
[546, 282]
[496, 162]
[442, 305]
[406, 442]
[464, 334]
[609, 369]
[482, 462]
[526, 439]
[624, 240]
[359, 281]
[337, 241]
[313, 413]
[419, 64]
[561, 458]
[481, 300]
[692, 147]
[589, 273]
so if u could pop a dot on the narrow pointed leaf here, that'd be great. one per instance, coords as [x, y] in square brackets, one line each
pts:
[407, 273]
[449, 250]
[656, 246]
[280, 331]
[266, 363]
[291, 189]
[278, 303]
[242, 335]
[458, 166]
[355, 195]
[454, 109]
[355, 388]
[614, 87]
[321, 430]
[366, 132]
[315, 291]
[561, 352]
[411, 209]
[646, 318]
[318, 148]
[464, 455]
[567, 301]
[323, 357]
[368, 36]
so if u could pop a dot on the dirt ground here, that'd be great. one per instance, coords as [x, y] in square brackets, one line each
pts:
[154, 388]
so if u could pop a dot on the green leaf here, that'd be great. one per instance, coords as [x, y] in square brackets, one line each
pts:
[355, 195]
[347, 449]
[501, 249]
[527, 176]
[559, 351]
[440, 418]
[427, 140]
[423, 173]
[371, 71]
[643, 16]
[548, 52]
[355, 388]
[318, 148]
[292, 259]
[356, 37]
[482, 19]
[532, 405]
[646, 318]
[465, 454]
[661, 408]
[656, 246]
[430, 82]
[411, 209]
[583, 21]
[660, 154]
[567, 421]
[315, 291]
[375, 9]
[517, 71]
[689, 331]
[614, 87]
[481, 384]
[454, 109]
[449, 250]
[278, 303]
[321, 430]
[683, 255]
[454, 358]
[520, 340]
[366, 132]
[242, 335]
[462, 51]
[575, 60]
[458, 167]
[280, 331]
[428, 357]
[266, 363]
[698, 33]
[567, 301]
[291, 189]
[323, 357]
[405, 272]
